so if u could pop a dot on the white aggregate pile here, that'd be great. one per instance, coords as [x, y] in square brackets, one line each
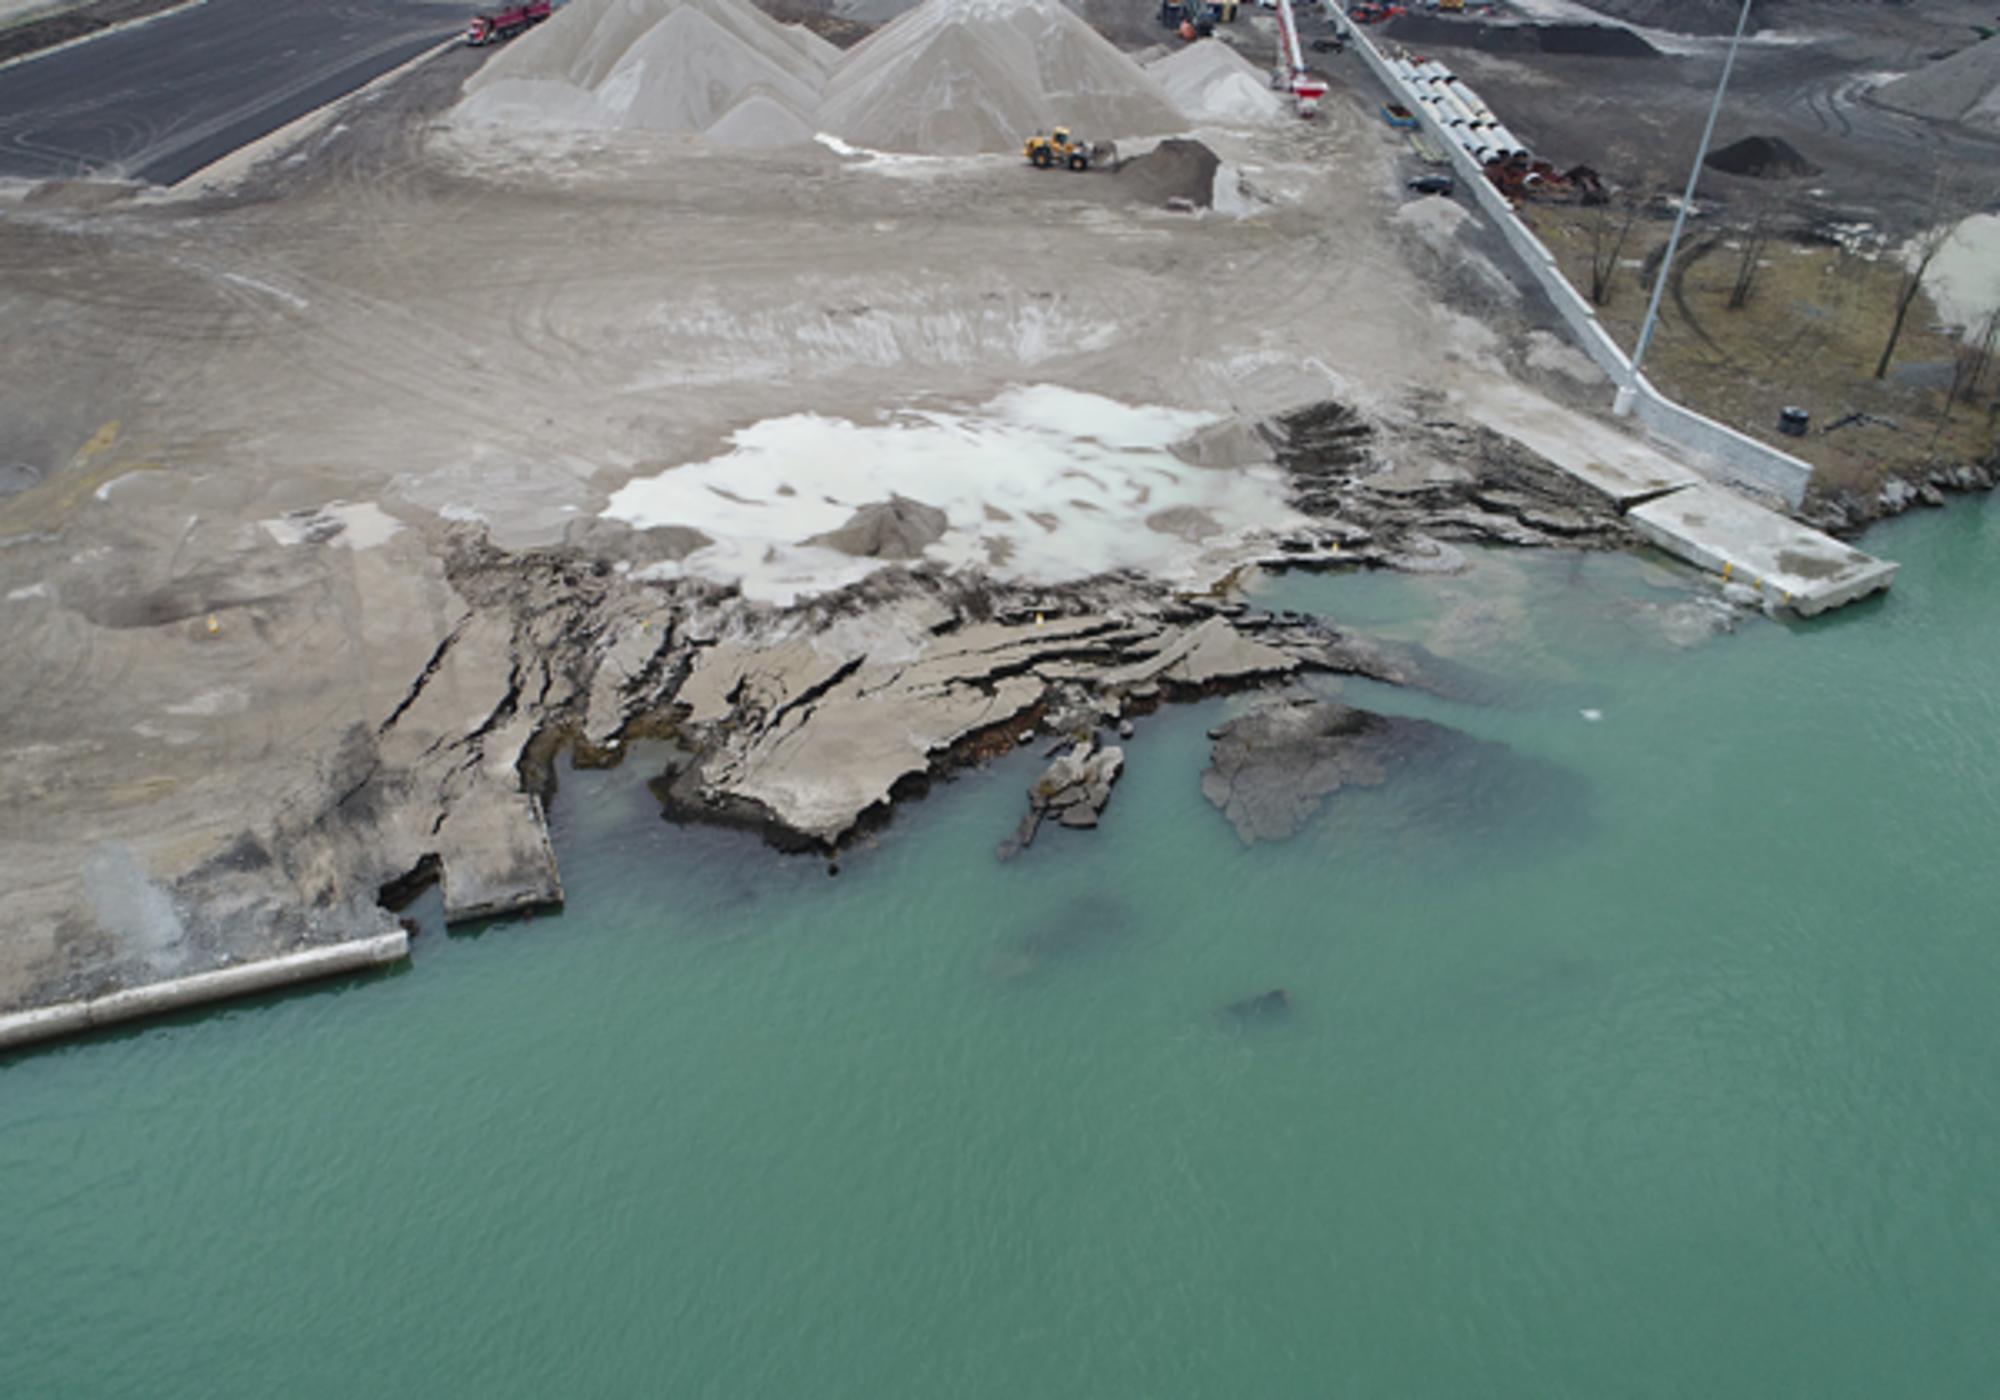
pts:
[720, 67]
[962, 77]
[1211, 82]
[1043, 484]
[1963, 88]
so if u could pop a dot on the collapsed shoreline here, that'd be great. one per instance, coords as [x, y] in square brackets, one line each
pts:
[462, 652]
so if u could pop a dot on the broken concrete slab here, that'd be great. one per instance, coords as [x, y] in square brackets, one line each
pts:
[497, 858]
[1789, 565]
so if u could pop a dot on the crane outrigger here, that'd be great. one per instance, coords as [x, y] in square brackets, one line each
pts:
[1290, 75]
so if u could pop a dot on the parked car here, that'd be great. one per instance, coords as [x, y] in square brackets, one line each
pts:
[1433, 184]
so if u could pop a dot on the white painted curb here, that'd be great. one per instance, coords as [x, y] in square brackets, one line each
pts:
[68, 1018]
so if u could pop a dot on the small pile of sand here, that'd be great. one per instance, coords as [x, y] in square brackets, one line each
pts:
[719, 67]
[963, 77]
[1963, 88]
[1761, 158]
[1211, 82]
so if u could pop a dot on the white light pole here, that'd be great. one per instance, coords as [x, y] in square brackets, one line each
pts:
[1646, 327]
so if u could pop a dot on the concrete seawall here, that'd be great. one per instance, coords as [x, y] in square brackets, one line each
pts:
[69, 1018]
[1786, 563]
[1755, 463]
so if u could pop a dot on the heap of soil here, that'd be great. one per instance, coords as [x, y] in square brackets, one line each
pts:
[1174, 169]
[1588, 40]
[1761, 158]
[898, 528]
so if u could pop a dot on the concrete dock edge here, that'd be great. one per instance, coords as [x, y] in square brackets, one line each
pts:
[68, 1018]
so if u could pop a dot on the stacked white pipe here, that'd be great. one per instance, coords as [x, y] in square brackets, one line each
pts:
[1459, 111]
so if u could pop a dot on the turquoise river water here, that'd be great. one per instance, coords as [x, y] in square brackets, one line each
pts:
[1653, 1054]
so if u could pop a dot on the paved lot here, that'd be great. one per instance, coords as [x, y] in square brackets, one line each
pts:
[160, 100]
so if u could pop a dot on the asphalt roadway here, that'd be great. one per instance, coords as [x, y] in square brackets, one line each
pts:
[160, 100]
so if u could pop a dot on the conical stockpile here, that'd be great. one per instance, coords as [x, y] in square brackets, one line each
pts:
[951, 77]
[962, 77]
[721, 67]
[1210, 81]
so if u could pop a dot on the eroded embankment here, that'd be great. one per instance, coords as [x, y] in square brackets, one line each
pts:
[806, 722]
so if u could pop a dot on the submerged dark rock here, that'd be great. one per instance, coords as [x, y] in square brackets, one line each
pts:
[1270, 770]
[1080, 927]
[1264, 1006]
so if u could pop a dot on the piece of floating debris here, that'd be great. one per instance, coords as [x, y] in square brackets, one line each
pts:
[1263, 1006]
[1592, 716]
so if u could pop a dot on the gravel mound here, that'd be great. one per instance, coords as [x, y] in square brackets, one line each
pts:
[1210, 81]
[963, 77]
[1963, 88]
[951, 77]
[1761, 158]
[1177, 168]
[719, 67]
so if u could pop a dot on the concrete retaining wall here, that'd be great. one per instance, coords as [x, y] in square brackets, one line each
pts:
[68, 1018]
[1753, 462]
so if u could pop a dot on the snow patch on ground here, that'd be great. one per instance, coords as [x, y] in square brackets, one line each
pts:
[1964, 278]
[1043, 484]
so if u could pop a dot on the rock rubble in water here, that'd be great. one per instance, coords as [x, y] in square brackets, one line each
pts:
[1073, 790]
[951, 77]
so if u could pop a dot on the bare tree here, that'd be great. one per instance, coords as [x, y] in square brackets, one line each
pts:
[1751, 260]
[1949, 207]
[1608, 243]
[1975, 357]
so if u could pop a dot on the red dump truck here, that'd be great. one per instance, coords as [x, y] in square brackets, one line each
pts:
[495, 25]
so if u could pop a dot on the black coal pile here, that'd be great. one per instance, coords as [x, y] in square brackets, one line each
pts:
[1761, 158]
[1587, 40]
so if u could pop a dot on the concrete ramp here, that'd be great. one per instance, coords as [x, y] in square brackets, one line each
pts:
[1690, 517]
[1625, 468]
[1797, 567]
